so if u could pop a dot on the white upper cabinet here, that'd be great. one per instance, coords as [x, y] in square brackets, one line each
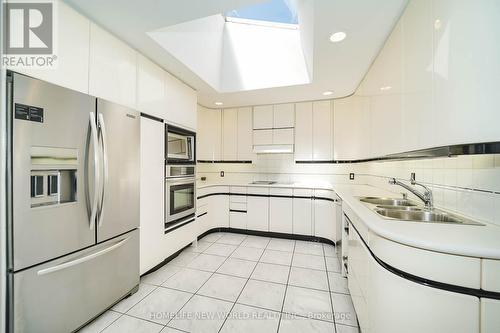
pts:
[352, 128]
[263, 117]
[303, 132]
[113, 68]
[181, 102]
[284, 116]
[230, 134]
[245, 151]
[209, 135]
[72, 52]
[150, 88]
[322, 131]
[466, 71]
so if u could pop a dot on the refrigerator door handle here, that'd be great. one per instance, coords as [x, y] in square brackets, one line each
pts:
[78, 261]
[102, 127]
[97, 176]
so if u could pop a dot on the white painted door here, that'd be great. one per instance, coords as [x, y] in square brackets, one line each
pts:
[263, 117]
[322, 131]
[325, 219]
[229, 134]
[219, 209]
[150, 88]
[303, 132]
[302, 216]
[182, 102]
[209, 135]
[281, 215]
[245, 135]
[152, 185]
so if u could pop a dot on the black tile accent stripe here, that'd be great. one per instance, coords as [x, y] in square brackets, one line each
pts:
[145, 115]
[426, 282]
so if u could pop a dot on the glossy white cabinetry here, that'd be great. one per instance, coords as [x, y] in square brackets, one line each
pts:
[263, 137]
[150, 88]
[303, 212]
[230, 134]
[209, 135]
[351, 128]
[181, 101]
[322, 131]
[324, 218]
[490, 319]
[284, 115]
[258, 209]
[72, 52]
[263, 117]
[152, 193]
[112, 68]
[219, 209]
[281, 211]
[244, 135]
[303, 132]
[283, 136]
[490, 275]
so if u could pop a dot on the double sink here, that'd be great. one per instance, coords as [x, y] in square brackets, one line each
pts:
[408, 210]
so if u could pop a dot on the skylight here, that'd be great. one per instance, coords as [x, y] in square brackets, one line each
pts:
[277, 11]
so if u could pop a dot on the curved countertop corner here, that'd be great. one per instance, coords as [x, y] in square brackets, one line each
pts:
[463, 240]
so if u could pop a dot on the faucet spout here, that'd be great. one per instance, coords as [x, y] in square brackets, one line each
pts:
[425, 196]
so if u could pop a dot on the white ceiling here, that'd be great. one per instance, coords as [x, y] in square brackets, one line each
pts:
[337, 67]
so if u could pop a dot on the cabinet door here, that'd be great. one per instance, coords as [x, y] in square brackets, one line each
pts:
[284, 115]
[182, 102]
[281, 215]
[209, 132]
[283, 136]
[238, 220]
[113, 68]
[490, 320]
[245, 135]
[263, 117]
[263, 137]
[229, 134]
[302, 216]
[324, 219]
[150, 88]
[352, 128]
[258, 213]
[303, 132]
[322, 131]
[151, 190]
[219, 209]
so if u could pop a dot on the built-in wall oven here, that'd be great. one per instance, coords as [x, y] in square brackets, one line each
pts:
[179, 145]
[180, 195]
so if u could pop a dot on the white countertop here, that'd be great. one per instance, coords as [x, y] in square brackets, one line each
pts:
[458, 239]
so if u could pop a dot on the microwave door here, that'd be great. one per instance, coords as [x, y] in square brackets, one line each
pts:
[177, 146]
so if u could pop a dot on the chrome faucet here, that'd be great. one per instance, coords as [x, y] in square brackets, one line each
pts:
[426, 196]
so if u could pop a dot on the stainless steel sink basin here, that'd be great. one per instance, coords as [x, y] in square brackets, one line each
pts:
[410, 208]
[388, 201]
[434, 216]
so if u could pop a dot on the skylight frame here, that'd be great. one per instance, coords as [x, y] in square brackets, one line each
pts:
[279, 25]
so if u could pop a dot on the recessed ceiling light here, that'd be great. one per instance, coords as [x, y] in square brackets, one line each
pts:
[337, 37]
[218, 103]
[327, 93]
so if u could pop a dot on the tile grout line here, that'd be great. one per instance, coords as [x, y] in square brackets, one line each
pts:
[286, 288]
[197, 290]
[329, 291]
[241, 291]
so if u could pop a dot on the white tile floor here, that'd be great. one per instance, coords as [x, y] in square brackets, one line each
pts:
[239, 283]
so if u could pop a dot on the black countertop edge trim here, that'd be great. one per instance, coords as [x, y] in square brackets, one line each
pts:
[267, 196]
[430, 283]
[268, 234]
[483, 148]
[145, 115]
[227, 162]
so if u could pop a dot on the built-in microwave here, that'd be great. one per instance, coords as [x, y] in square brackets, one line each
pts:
[179, 145]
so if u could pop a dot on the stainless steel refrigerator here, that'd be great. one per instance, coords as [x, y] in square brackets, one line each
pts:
[73, 238]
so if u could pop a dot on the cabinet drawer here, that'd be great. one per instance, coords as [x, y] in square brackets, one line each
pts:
[258, 190]
[283, 136]
[238, 206]
[238, 198]
[238, 189]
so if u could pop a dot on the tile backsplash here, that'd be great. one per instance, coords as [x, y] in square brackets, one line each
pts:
[468, 185]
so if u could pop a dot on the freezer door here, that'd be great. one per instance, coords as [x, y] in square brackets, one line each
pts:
[119, 138]
[63, 295]
[50, 139]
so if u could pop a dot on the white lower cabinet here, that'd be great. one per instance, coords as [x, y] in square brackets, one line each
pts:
[302, 212]
[219, 210]
[281, 211]
[490, 318]
[325, 219]
[258, 210]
